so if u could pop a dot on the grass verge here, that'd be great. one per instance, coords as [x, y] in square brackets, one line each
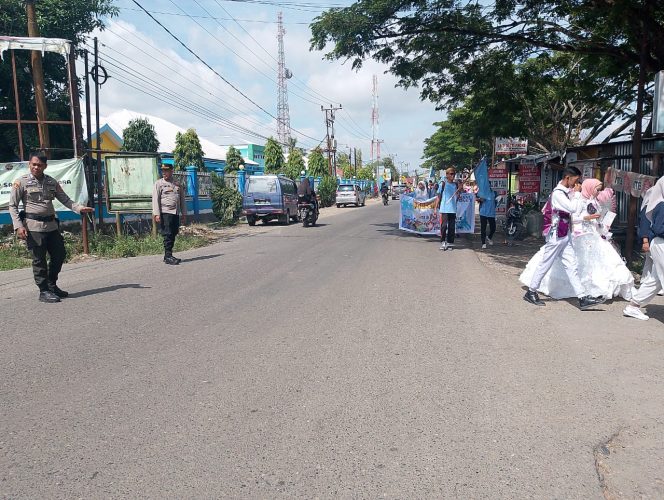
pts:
[15, 255]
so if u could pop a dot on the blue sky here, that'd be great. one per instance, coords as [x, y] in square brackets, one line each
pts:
[240, 44]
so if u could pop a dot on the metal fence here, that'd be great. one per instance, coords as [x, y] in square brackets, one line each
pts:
[231, 181]
[204, 184]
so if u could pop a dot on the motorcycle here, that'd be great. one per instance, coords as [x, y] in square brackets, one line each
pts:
[513, 224]
[385, 197]
[307, 211]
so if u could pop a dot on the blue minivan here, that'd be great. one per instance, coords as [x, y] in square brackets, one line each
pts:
[268, 197]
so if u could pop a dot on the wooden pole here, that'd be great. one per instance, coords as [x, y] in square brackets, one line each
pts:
[38, 78]
[18, 109]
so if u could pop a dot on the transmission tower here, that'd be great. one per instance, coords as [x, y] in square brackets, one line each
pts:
[283, 116]
[375, 142]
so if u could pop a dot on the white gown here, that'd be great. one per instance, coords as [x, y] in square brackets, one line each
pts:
[601, 269]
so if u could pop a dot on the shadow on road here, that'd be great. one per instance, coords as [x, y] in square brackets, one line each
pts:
[105, 289]
[392, 229]
[202, 257]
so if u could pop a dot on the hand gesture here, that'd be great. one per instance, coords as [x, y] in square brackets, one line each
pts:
[22, 233]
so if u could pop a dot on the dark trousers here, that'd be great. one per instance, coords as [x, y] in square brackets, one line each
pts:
[170, 226]
[447, 227]
[492, 227]
[41, 244]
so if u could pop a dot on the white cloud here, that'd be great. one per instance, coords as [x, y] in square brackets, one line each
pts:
[405, 121]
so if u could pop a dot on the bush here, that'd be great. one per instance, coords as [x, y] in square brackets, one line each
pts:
[226, 201]
[327, 189]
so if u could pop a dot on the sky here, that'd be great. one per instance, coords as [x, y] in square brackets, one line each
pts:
[229, 91]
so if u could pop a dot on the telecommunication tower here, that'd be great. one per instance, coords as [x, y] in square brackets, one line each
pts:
[283, 116]
[375, 142]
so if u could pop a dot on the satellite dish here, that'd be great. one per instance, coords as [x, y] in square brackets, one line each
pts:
[289, 74]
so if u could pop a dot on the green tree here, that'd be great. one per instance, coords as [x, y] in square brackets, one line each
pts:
[140, 136]
[226, 201]
[295, 164]
[317, 163]
[188, 150]
[274, 157]
[443, 46]
[233, 160]
[70, 19]
[327, 189]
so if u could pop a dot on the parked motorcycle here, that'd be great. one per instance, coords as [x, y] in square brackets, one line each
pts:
[513, 224]
[307, 211]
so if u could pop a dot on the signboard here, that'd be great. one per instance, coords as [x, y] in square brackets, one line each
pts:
[498, 181]
[130, 180]
[511, 145]
[546, 184]
[529, 178]
[658, 105]
[422, 217]
[70, 174]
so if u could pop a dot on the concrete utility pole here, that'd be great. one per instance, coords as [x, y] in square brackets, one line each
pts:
[331, 143]
[38, 78]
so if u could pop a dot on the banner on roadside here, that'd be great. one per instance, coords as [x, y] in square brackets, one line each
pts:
[70, 174]
[422, 217]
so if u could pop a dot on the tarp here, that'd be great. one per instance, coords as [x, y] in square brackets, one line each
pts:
[422, 217]
[69, 173]
[57, 45]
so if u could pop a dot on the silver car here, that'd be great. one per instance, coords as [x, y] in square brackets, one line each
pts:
[350, 194]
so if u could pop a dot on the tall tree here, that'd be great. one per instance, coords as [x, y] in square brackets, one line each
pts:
[188, 150]
[295, 164]
[440, 45]
[233, 160]
[274, 157]
[69, 19]
[140, 135]
[317, 163]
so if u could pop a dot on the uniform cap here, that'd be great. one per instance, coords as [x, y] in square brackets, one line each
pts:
[166, 166]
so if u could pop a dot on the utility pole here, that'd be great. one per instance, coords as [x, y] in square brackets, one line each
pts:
[283, 74]
[38, 79]
[95, 77]
[331, 142]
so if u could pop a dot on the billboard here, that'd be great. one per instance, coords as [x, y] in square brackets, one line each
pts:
[511, 145]
[130, 180]
[658, 105]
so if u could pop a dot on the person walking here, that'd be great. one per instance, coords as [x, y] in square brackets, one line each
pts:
[651, 232]
[38, 225]
[448, 194]
[168, 204]
[558, 241]
[487, 216]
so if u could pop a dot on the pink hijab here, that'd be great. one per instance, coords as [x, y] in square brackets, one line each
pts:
[588, 188]
[607, 197]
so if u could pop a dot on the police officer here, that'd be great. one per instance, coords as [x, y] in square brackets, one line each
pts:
[167, 204]
[39, 226]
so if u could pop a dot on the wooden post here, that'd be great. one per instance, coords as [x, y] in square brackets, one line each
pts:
[38, 78]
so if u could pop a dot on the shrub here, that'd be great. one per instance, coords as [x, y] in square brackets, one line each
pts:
[327, 190]
[226, 201]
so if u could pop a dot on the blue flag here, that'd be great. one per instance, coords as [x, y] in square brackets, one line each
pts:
[482, 179]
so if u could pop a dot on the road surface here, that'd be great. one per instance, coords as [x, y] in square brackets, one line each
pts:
[348, 360]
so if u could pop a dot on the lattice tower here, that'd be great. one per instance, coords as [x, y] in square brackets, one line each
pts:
[283, 116]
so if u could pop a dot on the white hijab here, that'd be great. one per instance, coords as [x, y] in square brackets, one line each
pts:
[653, 197]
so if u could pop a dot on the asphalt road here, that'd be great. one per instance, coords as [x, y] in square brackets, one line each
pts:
[347, 360]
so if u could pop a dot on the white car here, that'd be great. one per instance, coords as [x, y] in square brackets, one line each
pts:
[350, 194]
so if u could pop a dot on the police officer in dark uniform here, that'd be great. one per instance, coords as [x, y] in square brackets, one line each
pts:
[39, 226]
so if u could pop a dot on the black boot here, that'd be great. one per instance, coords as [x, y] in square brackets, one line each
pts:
[533, 298]
[57, 291]
[48, 297]
[171, 260]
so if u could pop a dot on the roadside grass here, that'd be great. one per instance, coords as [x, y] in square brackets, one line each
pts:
[14, 253]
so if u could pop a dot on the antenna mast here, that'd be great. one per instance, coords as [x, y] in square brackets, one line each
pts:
[283, 116]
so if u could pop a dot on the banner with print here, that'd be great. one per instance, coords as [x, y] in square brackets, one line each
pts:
[422, 217]
[70, 174]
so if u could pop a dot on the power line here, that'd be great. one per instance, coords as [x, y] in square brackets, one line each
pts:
[214, 17]
[205, 63]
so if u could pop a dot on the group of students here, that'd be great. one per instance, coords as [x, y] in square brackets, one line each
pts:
[578, 258]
